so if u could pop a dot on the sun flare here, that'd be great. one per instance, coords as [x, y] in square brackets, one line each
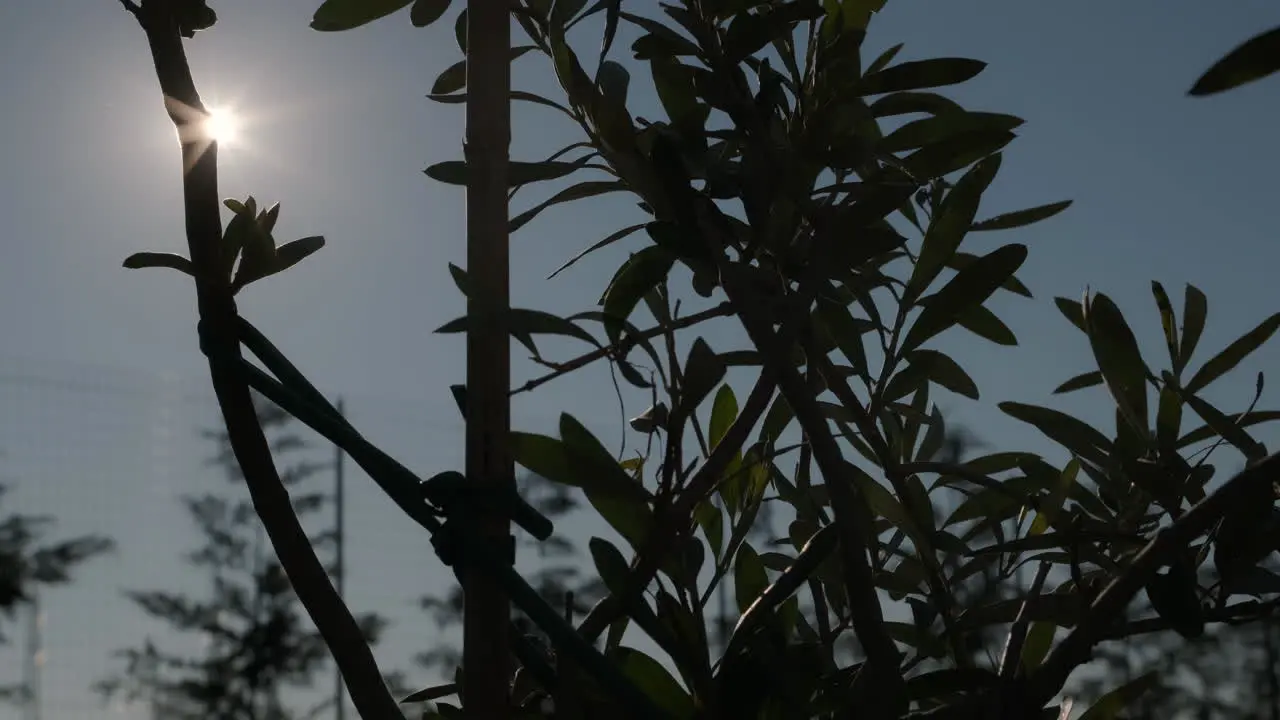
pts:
[198, 128]
[222, 126]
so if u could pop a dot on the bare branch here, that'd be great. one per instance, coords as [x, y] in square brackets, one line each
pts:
[220, 341]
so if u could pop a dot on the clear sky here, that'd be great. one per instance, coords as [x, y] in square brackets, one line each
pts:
[103, 386]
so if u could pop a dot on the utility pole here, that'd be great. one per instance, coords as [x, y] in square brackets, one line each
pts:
[34, 660]
[339, 565]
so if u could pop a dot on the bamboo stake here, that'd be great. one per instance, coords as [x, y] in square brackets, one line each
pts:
[488, 136]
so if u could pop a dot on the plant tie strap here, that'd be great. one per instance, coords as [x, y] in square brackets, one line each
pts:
[462, 503]
[447, 494]
[219, 352]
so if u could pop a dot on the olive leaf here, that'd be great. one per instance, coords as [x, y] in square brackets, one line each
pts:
[1173, 596]
[591, 188]
[1090, 379]
[1215, 419]
[910, 103]
[426, 12]
[642, 272]
[651, 678]
[926, 365]
[703, 370]
[749, 578]
[459, 98]
[335, 15]
[1255, 59]
[961, 260]
[1195, 309]
[1020, 218]
[1110, 706]
[969, 288]
[1074, 435]
[883, 59]
[1220, 364]
[723, 412]
[455, 172]
[930, 130]
[293, 252]
[524, 322]
[920, 74]
[158, 259]
[1168, 321]
[1119, 360]
[954, 153]
[949, 228]
[982, 322]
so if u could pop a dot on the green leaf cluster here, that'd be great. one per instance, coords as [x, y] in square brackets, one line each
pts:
[832, 203]
[248, 249]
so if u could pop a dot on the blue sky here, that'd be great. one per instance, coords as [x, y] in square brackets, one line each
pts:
[1166, 187]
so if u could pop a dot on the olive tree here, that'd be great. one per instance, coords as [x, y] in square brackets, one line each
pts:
[828, 206]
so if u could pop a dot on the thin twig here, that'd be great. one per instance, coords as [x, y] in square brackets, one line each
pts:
[1248, 611]
[674, 523]
[679, 202]
[864, 603]
[1011, 659]
[668, 528]
[674, 424]
[821, 610]
[564, 368]
[973, 476]
[864, 421]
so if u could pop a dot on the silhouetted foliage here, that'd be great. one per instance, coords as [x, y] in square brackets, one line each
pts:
[557, 576]
[819, 200]
[258, 639]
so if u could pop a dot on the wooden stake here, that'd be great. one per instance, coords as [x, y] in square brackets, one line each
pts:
[486, 610]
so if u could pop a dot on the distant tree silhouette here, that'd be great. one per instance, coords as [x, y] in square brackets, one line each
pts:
[1231, 672]
[259, 641]
[29, 560]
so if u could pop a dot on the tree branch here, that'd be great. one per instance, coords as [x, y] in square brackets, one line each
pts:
[1111, 602]
[672, 523]
[864, 604]
[1248, 611]
[220, 341]
[865, 423]
[1011, 659]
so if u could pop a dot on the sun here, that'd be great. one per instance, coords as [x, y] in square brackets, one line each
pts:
[222, 125]
[199, 127]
